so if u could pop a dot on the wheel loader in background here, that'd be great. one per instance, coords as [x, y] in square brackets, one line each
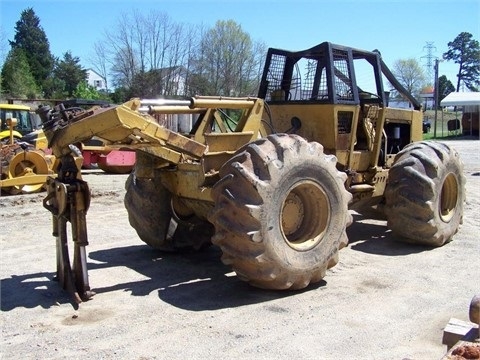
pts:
[24, 167]
[269, 179]
[26, 122]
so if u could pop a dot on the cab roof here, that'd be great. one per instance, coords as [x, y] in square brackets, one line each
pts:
[14, 107]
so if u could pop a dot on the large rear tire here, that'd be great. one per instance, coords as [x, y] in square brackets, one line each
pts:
[425, 193]
[281, 212]
[148, 205]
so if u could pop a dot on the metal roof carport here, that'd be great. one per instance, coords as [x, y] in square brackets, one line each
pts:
[465, 99]
[461, 99]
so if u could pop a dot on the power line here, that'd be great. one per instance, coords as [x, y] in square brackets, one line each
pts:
[430, 57]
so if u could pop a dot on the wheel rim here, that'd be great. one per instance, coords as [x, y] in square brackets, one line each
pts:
[25, 164]
[305, 215]
[448, 198]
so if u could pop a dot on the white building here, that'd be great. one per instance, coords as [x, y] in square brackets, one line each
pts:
[174, 80]
[96, 80]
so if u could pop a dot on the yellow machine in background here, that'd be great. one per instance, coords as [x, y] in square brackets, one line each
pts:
[25, 157]
[23, 167]
[25, 121]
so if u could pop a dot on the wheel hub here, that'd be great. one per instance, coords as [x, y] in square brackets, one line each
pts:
[28, 163]
[448, 198]
[293, 214]
[304, 216]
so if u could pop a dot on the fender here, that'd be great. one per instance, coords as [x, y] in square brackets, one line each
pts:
[5, 134]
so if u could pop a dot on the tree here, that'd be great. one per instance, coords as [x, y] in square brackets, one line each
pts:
[410, 74]
[120, 95]
[3, 52]
[3, 46]
[465, 51]
[122, 53]
[70, 72]
[222, 60]
[85, 91]
[229, 59]
[445, 87]
[53, 88]
[146, 84]
[141, 44]
[99, 60]
[31, 38]
[17, 79]
[198, 84]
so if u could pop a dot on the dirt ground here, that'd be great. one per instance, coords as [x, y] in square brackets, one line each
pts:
[384, 300]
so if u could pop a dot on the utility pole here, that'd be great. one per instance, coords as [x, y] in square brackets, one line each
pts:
[435, 92]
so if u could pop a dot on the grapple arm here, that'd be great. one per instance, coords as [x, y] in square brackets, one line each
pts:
[116, 124]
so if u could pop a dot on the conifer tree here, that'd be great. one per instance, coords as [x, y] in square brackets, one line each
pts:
[17, 79]
[70, 72]
[465, 51]
[31, 38]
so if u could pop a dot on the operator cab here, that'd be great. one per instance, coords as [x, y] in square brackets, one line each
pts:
[323, 74]
[25, 120]
[335, 95]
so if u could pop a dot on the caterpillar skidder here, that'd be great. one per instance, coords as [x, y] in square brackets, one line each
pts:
[268, 179]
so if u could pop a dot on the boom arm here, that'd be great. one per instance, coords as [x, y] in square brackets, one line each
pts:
[118, 124]
[131, 127]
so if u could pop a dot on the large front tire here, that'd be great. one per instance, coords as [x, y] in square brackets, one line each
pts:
[281, 212]
[425, 194]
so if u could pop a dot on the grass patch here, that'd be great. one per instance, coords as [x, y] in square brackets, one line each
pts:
[442, 118]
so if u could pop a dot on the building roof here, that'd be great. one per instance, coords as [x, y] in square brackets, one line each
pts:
[461, 99]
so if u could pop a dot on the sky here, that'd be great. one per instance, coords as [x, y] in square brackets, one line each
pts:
[399, 29]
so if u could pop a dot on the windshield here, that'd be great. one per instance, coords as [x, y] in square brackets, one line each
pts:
[24, 125]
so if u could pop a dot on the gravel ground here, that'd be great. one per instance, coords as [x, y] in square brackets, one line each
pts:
[384, 300]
